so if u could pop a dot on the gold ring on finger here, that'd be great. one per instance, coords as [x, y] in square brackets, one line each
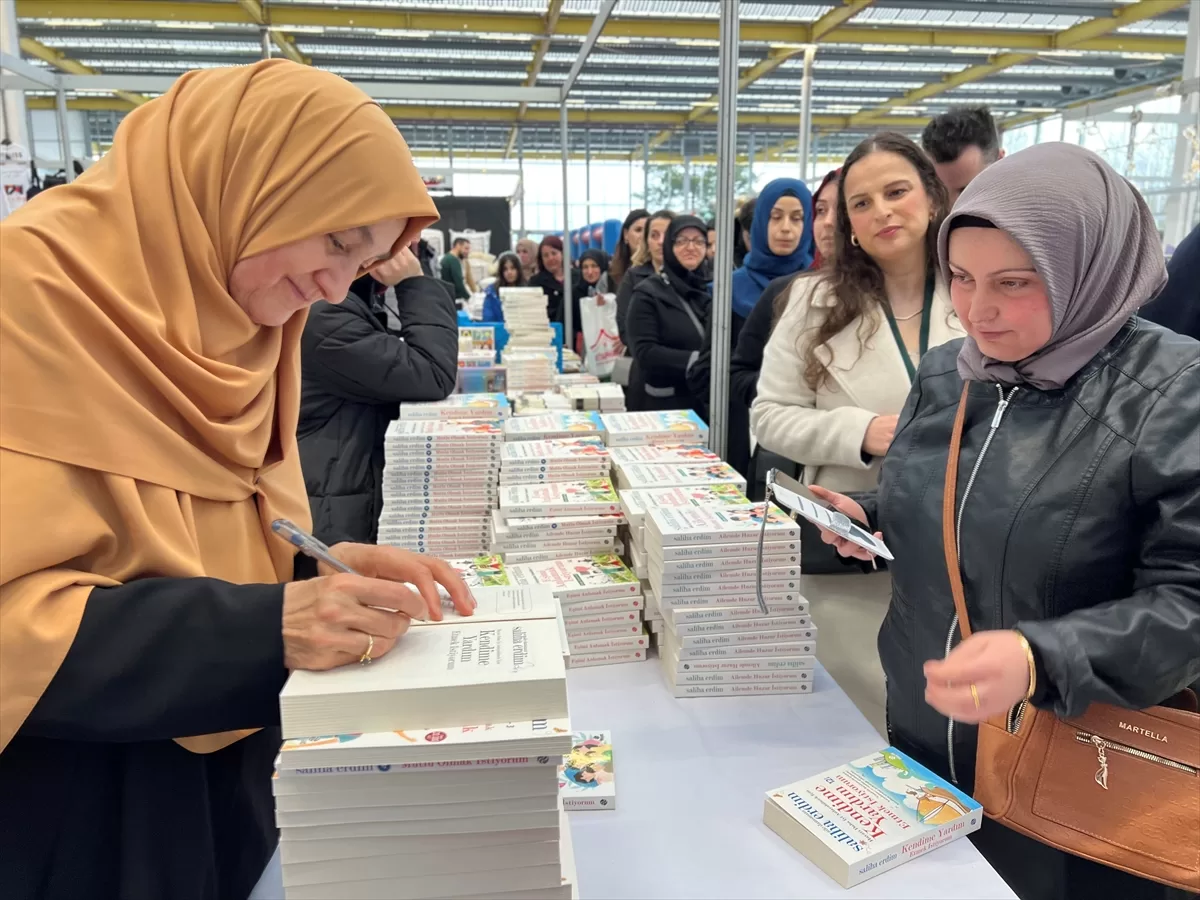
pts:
[365, 659]
[975, 694]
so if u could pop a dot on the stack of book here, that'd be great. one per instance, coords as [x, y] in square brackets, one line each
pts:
[638, 476]
[601, 601]
[715, 640]
[574, 379]
[680, 426]
[602, 397]
[441, 480]
[571, 361]
[543, 520]
[532, 403]
[529, 369]
[636, 503]
[525, 317]
[491, 407]
[433, 772]
[554, 459]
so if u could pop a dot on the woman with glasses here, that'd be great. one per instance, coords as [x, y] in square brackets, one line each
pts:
[838, 366]
[668, 318]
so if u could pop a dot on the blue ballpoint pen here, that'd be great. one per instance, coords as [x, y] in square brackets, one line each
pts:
[309, 545]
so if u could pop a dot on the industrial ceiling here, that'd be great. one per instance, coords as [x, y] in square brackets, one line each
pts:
[652, 75]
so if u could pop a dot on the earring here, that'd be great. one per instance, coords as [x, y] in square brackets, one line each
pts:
[854, 239]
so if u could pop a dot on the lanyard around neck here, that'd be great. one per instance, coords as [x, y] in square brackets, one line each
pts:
[923, 344]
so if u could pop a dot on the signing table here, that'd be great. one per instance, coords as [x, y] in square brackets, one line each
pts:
[691, 775]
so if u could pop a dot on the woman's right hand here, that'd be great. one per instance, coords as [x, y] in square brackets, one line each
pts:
[879, 435]
[326, 621]
[851, 508]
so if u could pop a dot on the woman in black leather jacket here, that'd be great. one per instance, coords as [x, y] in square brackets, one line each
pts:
[1078, 498]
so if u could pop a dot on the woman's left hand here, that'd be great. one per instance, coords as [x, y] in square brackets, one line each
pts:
[994, 662]
[423, 572]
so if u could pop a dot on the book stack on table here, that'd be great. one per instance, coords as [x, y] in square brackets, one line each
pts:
[432, 772]
[532, 403]
[525, 317]
[607, 398]
[714, 638]
[441, 480]
[541, 520]
[673, 426]
[554, 459]
[547, 425]
[601, 601]
[529, 369]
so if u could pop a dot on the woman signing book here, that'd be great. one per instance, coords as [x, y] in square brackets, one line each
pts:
[150, 323]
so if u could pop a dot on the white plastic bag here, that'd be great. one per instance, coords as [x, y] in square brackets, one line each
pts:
[600, 334]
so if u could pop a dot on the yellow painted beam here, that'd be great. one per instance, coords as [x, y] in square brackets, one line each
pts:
[576, 116]
[285, 43]
[1064, 40]
[836, 17]
[529, 25]
[63, 63]
[553, 11]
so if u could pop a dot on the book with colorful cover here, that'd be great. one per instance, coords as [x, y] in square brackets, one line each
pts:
[650, 475]
[552, 425]
[404, 432]
[554, 451]
[668, 426]
[459, 406]
[586, 779]
[635, 502]
[714, 525]
[871, 815]
[596, 577]
[477, 337]
[482, 571]
[663, 454]
[595, 496]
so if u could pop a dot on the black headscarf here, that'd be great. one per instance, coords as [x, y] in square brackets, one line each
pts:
[581, 288]
[691, 286]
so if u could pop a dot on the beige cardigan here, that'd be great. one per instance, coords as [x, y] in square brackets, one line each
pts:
[824, 429]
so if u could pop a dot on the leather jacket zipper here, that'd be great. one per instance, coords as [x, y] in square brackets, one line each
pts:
[999, 414]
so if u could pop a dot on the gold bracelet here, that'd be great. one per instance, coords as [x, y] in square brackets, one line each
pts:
[1032, 664]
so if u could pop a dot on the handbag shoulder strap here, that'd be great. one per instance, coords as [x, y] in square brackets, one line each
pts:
[949, 544]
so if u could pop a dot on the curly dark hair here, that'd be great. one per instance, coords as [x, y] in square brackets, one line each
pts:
[948, 135]
[854, 277]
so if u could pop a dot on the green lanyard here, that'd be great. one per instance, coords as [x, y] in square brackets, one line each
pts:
[924, 339]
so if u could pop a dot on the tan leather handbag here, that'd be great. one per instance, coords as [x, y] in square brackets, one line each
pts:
[1117, 786]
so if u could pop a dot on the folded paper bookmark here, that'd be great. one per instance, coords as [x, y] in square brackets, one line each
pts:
[795, 497]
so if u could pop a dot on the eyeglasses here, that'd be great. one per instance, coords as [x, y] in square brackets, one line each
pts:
[699, 243]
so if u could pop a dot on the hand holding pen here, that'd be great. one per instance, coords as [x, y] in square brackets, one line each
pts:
[350, 614]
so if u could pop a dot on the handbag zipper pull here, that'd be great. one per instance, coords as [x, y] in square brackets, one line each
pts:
[1102, 758]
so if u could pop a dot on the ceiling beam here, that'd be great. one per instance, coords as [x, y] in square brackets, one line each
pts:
[531, 25]
[550, 22]
[285, 43]
[773, 60]
[63, 63]
[1129, 96]
[577, 115]
[1064, 40]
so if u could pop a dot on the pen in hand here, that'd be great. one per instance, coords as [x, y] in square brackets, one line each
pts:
[309, 545]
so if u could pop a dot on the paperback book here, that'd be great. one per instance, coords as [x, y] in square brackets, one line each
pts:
[635, 502]
[598, 577]
[651, 475]
[713, 525]
[575, 498]
[552, 425]
[669, 426]
[459, 406]
[863, 818]
[586, 779]
[664, 454]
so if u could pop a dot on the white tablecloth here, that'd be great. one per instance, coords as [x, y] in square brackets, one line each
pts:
[691, 775]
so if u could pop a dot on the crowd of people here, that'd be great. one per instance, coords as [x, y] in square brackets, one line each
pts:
[164, 398]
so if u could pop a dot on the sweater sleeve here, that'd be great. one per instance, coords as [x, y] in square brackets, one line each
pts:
[661, 366]
[1138, 651]
[785, 418]
[354, 360]
[162, 658]
[452, 272]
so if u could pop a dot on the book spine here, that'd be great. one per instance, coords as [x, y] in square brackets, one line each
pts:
[767, 664]
[597, 592]
[778, 676]
[751, 650]
[740, 690]
[288, 768]
[604, 659]
[734, 549]
[729, 567]
[581, 609]
[771, 596]
[891, 857]
[585, 545]
[780, 589]
[741, 639]
[610, 644]
[606, 802]
[741, 626]
[600, 620]
[599, 632]
[770, 574]
[687, 615]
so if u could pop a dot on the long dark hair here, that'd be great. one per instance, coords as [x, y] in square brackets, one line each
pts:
[623, 256]
[509, 257]
[854, 277]
[642, 257]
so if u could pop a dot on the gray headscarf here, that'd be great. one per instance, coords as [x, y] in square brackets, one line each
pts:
[1093, 241]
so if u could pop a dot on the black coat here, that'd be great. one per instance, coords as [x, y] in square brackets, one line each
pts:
[635, 389]
[356, 372]
[1178, 306]
[1081, 528]
[553, 289]
[665, 342]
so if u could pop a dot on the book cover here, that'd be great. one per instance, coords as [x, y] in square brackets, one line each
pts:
[635, 501]
[597, 577]
[870, 815]
[586, 449]
[552, 425]
[642, 476]
[499, 604]
[459, 406]
[586, 779]
[689, 454]
[477, 337]
[573, 498]
[674, 426]
[712, 525]
[481, 571]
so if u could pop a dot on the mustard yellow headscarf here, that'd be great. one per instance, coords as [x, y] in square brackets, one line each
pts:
[147, 425]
